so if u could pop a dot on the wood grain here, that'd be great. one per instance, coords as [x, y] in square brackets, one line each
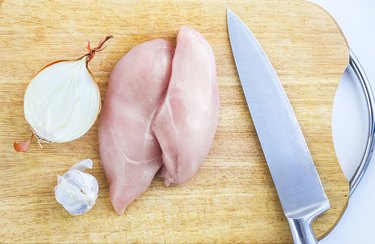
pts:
[232, 198]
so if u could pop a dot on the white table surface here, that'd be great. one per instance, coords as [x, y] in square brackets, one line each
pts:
[357, 21]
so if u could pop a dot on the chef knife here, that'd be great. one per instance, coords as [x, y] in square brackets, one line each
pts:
[292, 169]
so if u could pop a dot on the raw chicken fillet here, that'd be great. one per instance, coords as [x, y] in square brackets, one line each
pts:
[160, 113]
[129, 151]
[186, 122]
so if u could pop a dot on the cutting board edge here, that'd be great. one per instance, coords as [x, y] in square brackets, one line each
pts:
[348, 48]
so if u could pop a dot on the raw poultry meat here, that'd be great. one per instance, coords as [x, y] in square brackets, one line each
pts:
[186, 122]
[129, 151]
[158, 114]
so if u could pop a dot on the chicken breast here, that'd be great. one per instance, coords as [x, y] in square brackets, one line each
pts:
[158, 114]
[129, 151]
[187, 119]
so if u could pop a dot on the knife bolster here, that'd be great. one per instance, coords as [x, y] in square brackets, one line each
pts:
[301, 231]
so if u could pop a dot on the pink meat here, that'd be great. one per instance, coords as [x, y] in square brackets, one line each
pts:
[158, 114]
[129, 151]
[187, 119]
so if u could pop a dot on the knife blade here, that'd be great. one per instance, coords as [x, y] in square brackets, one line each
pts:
[288, 158]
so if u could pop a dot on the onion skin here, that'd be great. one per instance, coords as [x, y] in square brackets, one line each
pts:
[23, 146]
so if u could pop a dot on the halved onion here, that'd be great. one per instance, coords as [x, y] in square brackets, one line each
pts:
[62, 101]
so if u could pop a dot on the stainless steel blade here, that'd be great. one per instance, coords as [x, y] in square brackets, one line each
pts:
[290, 163]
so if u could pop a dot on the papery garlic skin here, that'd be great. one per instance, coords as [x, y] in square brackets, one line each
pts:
[62, 101]
[76, 190]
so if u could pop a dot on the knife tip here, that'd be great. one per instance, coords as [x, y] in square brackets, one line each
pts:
[230, 14]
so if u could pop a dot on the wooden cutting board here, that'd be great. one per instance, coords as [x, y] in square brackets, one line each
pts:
[232, 198]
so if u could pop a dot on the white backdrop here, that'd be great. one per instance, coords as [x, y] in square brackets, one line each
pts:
[357, 21]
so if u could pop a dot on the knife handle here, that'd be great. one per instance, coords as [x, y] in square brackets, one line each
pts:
[301, 231]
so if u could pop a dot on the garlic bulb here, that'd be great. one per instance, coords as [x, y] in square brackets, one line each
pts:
[76, 190]
[62, 101]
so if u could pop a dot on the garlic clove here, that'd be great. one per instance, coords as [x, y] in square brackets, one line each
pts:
[83, 165]
[76, 190]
